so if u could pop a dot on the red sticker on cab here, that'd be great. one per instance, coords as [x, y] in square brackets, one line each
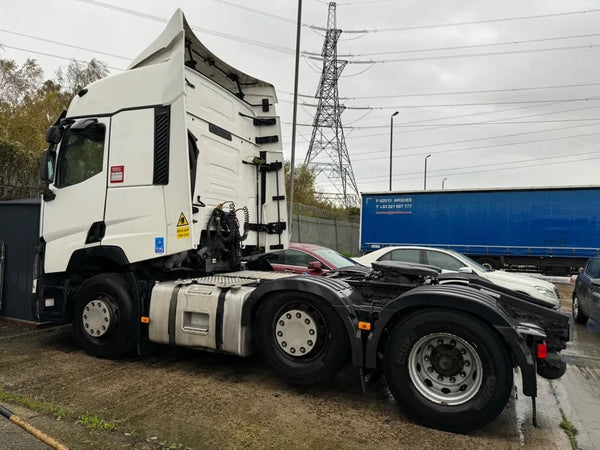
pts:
[117, 174]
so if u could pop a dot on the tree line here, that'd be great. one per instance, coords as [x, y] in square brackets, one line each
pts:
[29, 104]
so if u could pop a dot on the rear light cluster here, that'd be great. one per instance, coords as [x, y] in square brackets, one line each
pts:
[542, 350]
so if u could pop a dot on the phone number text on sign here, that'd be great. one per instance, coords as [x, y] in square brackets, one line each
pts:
[397, 205]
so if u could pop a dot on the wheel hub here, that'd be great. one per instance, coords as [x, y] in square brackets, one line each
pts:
[445, 369]
[97, 317]
[296, 332]
[447, 360]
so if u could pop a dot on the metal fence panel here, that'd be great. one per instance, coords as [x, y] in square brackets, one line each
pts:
[19, 230]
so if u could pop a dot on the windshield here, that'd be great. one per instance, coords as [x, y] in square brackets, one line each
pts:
[469, 262]
[335, 258]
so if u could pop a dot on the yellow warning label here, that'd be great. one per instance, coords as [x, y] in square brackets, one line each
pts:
[182, 222]
[183, 232]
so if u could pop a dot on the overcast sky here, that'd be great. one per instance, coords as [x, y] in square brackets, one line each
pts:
[479, 117]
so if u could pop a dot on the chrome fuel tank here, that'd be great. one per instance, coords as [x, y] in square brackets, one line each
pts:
[203, 313]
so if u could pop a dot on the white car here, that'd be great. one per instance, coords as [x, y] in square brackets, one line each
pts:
[451, 261]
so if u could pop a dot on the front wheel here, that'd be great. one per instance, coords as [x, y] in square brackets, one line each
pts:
[449, 370]
[301, 337]
[103, 318]
[578, 315]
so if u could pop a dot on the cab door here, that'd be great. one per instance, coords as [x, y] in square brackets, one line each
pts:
[73, 213]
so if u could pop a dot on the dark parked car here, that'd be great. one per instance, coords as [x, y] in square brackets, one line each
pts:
[304, 258]
[586, 295]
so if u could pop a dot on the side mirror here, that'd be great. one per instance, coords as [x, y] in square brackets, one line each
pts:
[465, 270]
[315, 265]
[580, 270]
[47, 161]
[54, 134]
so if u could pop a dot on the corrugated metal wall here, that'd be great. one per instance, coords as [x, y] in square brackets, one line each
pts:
[19, 229]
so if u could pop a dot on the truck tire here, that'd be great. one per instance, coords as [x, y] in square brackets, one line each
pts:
[448, 370]
[301, 337]
[489, 263]
[578, 315]
[103, 319]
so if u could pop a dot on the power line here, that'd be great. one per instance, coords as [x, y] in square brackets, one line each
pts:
[66, 45]
[258, 11]
[473, 114]
[195, 28]
[466, 124]
[481, 147]
[445, 171]
[362, 2]
[408, 124]
[493, 170]
[482, 91]
[450, 105]
[466, 55]
[473, 22]
[460, 47]
[55, 56]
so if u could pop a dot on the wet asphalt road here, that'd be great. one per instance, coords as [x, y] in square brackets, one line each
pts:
[13, 437]
[582, 383]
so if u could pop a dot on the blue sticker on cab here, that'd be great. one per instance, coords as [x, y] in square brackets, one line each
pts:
[159, 245]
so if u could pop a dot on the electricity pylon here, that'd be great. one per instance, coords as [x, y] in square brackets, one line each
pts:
[327, 153]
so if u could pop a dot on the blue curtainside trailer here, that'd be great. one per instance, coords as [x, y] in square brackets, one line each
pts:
[554, 230]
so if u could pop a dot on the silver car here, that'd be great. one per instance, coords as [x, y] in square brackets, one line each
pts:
[451, 261]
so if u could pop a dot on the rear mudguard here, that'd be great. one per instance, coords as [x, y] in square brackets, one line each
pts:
[521, 338]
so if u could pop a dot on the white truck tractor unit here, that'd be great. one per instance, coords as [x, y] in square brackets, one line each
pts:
[161, 178]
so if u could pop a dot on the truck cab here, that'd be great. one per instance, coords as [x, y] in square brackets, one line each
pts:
[142, 161]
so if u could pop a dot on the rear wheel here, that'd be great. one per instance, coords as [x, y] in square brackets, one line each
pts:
[103, 319]
[448, 370]
[301, 337]
[578, 314]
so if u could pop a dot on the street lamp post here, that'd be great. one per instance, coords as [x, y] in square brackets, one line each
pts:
[443, 183]
[391, 141]
[425, 174]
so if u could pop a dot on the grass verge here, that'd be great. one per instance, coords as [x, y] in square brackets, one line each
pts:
[34, 405]
[569, 430]
[90, 421]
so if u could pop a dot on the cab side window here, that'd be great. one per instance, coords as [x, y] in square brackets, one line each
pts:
[81, 153]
